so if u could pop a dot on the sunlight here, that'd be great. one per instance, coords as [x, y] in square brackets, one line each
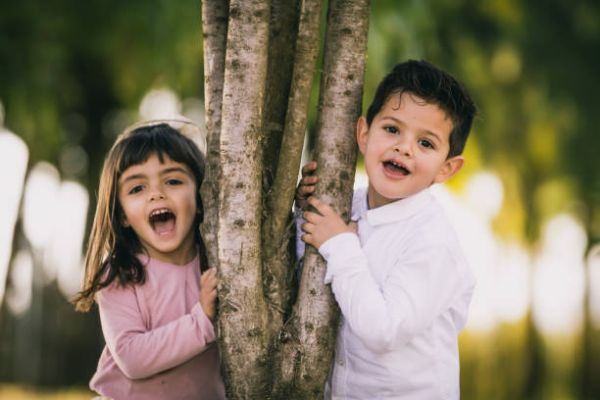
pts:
[18, 296]
[65, 248]
[54, 218]
[559, 279]
[501, 269]
[512, 275]
[593, 261]
[360, 179]
[480, 248]
[159, 103]
[39, 210]
[13, 158]
[484, 193]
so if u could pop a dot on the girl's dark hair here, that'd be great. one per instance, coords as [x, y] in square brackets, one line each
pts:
[113, 248]
[435, 86]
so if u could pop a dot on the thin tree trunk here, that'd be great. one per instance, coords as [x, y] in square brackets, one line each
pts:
[284, 28]
[242, 319]
[282, 37]
[214, 32]
[308, 338]
[278, 272]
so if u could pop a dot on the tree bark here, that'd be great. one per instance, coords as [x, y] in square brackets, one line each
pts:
[276, 229]
[284, 27]
[250, 234]
[282, 39]
[242, 321]
[214, 32]
[309, 336]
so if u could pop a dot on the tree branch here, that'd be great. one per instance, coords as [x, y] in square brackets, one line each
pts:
[279, 199]
[309, 337]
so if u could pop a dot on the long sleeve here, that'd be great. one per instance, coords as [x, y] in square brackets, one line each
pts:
[421, 285]
[140, 352]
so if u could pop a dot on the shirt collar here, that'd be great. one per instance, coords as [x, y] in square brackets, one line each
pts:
[398, 210]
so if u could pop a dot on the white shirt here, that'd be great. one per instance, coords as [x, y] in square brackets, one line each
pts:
[404, 289]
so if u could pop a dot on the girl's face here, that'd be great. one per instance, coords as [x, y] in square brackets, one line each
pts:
[159, 204]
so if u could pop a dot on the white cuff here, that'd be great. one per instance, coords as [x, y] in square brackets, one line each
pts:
[337, 248]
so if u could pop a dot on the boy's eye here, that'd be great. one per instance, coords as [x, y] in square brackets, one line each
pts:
[391, 129]
[426, 143]
[135, 189]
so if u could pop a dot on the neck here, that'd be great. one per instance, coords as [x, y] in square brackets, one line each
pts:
[181, 256]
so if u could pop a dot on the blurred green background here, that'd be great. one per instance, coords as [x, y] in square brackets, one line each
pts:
[527, 206]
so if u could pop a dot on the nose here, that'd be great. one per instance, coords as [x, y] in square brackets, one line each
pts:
[156, 195]
[403, 145]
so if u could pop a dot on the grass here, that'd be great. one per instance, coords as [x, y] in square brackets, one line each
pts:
[18, 392]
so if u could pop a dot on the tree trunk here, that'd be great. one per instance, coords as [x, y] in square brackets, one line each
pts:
[242, 318]
[309, 336]
[277, 226]
[276, 257]
[214, 32]
[252, 167]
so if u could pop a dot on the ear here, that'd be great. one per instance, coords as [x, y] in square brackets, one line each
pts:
[449, 169]
[124, 222]
[362, 134]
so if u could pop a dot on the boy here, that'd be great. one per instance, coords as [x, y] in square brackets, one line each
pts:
[400, 279]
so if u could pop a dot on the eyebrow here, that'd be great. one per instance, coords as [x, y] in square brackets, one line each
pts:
[400, 122]
[162, 172]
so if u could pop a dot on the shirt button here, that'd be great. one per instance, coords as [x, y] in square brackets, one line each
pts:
[340, 362]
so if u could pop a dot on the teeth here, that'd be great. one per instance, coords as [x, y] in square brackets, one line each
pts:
[160, 211]
[398, 166]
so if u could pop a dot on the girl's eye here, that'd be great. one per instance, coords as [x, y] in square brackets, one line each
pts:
[426, 143]
[135, 189]
[174, 182]
[391, 129]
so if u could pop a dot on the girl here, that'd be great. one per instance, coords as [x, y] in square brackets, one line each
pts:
[146, 268]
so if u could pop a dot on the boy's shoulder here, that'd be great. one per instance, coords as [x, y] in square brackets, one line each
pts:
[428, 222]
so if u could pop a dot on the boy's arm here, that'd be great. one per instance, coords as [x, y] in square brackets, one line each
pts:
[419, 288]
[139, 352]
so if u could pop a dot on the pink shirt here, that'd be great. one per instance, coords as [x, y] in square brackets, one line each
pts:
[159, 342]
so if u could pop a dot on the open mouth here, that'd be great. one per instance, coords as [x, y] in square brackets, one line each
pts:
[162, 221]
[395, 168]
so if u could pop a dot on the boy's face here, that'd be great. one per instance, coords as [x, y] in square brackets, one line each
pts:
[405, 149]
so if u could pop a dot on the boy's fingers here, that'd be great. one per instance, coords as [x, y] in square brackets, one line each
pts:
[309, 180]
[322, 208]
[308, 168]
[311, 216]
[304, 190]
[308, 227]
[306, 238]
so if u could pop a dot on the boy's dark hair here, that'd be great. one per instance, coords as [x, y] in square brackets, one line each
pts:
[435, 86]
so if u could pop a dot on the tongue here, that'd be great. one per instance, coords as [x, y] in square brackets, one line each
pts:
[163, 227]
[395, 170]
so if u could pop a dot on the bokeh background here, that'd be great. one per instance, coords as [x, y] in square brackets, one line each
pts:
[527, 205]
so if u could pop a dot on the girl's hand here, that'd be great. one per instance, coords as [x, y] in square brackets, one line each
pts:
[325, 224]
[208, 292]
[306, 187]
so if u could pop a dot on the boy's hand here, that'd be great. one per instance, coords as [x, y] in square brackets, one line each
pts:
[306, 187]
[319, 227]
[208, 292]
